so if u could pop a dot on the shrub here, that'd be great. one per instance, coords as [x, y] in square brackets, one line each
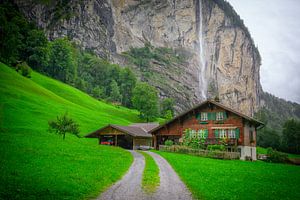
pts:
[276, 156]
[216, 147]
[25, 69]
[169, 143]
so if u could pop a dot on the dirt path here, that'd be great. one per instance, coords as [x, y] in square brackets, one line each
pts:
[171, 187]
[129, 187]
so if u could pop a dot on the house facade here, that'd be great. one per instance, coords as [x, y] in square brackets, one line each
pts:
[214, 123]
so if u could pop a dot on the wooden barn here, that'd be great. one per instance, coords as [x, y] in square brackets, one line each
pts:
[134, 136]
[215, 123]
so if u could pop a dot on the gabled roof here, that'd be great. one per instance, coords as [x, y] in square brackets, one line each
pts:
[250, 119]
[135, 130]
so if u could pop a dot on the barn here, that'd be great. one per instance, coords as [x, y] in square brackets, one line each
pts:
[134, 136]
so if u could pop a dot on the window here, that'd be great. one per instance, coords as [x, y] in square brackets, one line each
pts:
[222, 133]
[231, 133]
[204, 116]
[202, 133]
[219, 116]
[251, 136]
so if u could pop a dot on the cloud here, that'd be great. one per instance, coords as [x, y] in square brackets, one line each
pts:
[275, 28]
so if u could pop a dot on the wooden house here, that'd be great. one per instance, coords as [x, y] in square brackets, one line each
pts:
[215, 124]
[134, 136]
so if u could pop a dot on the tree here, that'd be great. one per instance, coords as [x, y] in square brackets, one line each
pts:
[291, 136]
[25, 69]
[62, 64]
[115, 95]
[63, 124]
[268, 137]
[37, 51]
[127, 83]
[167, 107]
[145, 99]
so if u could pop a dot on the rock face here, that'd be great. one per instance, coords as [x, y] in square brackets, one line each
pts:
[110, 27]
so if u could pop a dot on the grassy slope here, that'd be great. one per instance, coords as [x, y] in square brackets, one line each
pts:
[235, 179]
[151, 178]
[35, 163]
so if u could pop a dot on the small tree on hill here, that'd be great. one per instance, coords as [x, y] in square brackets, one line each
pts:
[63, 124]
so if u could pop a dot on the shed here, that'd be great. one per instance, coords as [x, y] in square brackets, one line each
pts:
[133, 136]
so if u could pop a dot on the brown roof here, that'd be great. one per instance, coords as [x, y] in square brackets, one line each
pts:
[252, 120]
[135, 130]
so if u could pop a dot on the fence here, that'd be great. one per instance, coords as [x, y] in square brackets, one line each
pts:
[199, 152]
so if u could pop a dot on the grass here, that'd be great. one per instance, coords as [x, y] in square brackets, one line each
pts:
[234, 179]
[38, 164]
[151, 178]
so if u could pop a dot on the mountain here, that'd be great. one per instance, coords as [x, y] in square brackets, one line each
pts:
[189, 50]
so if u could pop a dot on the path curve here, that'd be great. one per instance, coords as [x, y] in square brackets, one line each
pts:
[171, 187]
[129, 187]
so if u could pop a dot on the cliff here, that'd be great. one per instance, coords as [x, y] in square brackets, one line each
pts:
[217, 54]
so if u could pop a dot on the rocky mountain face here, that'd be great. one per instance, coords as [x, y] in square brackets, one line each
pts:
[219, 55]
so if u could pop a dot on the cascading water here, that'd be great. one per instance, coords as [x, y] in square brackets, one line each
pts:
[202, 79]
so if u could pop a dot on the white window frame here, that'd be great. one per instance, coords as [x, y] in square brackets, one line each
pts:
[204, 116]
[222, 133]
[231, 133]
[219, 116]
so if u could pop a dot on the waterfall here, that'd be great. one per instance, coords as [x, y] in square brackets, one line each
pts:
[202, 70]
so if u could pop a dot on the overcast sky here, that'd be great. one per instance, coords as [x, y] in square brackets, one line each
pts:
[275, 28]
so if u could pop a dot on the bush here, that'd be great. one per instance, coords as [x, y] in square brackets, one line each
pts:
[169, 143]
[216, 147]
[24, 68]
[276, 156]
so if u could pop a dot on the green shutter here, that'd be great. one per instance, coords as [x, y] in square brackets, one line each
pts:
[237, 133]
[206, 133]
[198, 116]
[216, 133]
[209, 116]
[213, 116]
[225, 115]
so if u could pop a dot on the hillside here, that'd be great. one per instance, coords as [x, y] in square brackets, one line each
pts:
[35, 163]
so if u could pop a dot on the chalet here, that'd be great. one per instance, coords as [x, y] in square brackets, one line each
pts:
[133, 136]
[215, 123]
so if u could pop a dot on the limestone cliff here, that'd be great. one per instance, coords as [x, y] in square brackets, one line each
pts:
[220, 57]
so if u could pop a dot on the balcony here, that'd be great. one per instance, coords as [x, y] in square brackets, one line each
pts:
[228, 141]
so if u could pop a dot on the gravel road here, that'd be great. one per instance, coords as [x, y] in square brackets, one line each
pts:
[171, 187]
[129, 187]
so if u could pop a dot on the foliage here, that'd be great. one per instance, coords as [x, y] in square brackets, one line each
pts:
[38, 165]
[145, 99]
[37, 51]
[115, 95]
[63, 124]
[195, 139]
[127, 83]
[167, 107]
[62, 65]
[291, 136]
[151, 179]
[233, 179]
[267, 137]
[142, 57]
[169, 143]
[216, 147]
[276, 156]
[24, 68]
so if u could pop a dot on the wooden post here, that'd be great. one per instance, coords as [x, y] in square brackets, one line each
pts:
[116, 140]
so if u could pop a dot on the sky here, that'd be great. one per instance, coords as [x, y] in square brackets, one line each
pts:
[275, 28]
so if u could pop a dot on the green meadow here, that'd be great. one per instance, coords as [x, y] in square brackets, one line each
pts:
[235, 179]
[36, 164]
